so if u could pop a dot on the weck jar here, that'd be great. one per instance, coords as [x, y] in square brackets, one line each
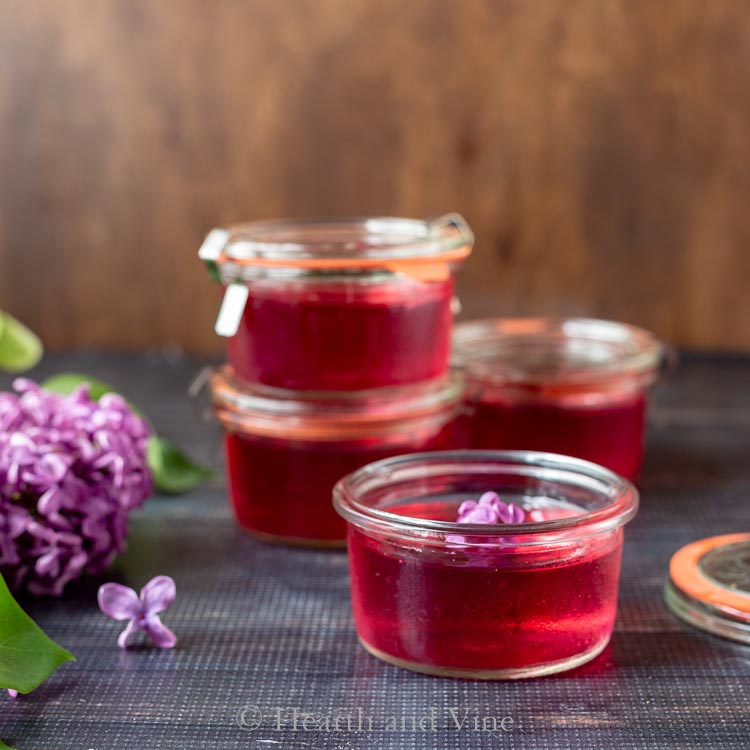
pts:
[574, 386]
[526, 598]
[285, 450]
[339, 304]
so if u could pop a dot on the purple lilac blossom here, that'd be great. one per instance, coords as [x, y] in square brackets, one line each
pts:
[489, 509]
[71, 470]
[122, 603]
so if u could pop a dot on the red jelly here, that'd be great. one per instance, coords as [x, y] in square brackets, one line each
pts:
[338, 305]
[485, 601]
[286, 450]
[576, 387]
[570, 429]
[344, 334]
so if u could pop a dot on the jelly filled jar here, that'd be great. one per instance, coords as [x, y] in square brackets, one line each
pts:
[338, 304]
[485, 600]
[572, 386]
[285, 450]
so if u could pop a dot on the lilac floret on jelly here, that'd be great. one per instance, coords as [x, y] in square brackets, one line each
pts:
[489, 509]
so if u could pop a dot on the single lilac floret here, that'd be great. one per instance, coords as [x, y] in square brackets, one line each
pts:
[489, 509]
[123, 603]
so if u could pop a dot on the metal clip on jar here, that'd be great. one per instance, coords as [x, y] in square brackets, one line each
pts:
[572, 386]
[285, 450]
[338, 305]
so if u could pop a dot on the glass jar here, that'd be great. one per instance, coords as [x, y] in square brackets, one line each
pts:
[485, 601]
[286, 450]
[338, 304]
[709, 585]
[573, 386]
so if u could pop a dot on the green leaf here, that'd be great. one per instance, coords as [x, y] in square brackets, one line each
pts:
[27, 656]
[67, 382]
[20, 348]
[173, 471]
[3, 746]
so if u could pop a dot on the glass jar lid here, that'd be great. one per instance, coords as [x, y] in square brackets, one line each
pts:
[334, 415]
[412, 246]
[709, 585]
[546, 351]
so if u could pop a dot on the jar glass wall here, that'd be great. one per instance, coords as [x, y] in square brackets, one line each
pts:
[286, 450]
[572, 386]
[338, 304]
[485, 601]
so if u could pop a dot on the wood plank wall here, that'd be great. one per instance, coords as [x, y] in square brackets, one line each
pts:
[600, 149]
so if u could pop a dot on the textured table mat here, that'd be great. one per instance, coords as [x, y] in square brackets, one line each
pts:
[265, 630]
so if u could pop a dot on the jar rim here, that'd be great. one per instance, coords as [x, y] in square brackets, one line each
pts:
[549, 467]
[255, 408]
[555, 350]
[337, 243]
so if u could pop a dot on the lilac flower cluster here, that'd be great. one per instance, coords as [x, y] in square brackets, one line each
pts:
[71, 470]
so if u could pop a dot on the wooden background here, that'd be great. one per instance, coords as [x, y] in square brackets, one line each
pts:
[600, 149]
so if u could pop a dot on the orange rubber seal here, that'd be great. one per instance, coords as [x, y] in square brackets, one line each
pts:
[423, 268]
[684, 570]
[421, 249]
[446, 256]
[334, 416]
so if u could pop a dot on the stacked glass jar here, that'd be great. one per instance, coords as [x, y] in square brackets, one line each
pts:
[339, 347]
[571, 386]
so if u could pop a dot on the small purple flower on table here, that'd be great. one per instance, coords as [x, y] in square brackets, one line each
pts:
[123, 603]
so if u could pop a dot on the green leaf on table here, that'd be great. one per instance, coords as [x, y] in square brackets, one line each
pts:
[27, 656]
[20, 348]
[174, 472]
[67, 382]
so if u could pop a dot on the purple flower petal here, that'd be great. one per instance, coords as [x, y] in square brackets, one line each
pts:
[489, 498]
[467, 506]
[24, 384]
[512, 514]
[160, 634]
[158, 594]
[479, 514]
[119, 602]
[50, 501]
[122, 639]
[52, 467]
[49, 564]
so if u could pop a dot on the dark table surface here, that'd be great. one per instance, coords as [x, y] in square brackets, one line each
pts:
[269, 627]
